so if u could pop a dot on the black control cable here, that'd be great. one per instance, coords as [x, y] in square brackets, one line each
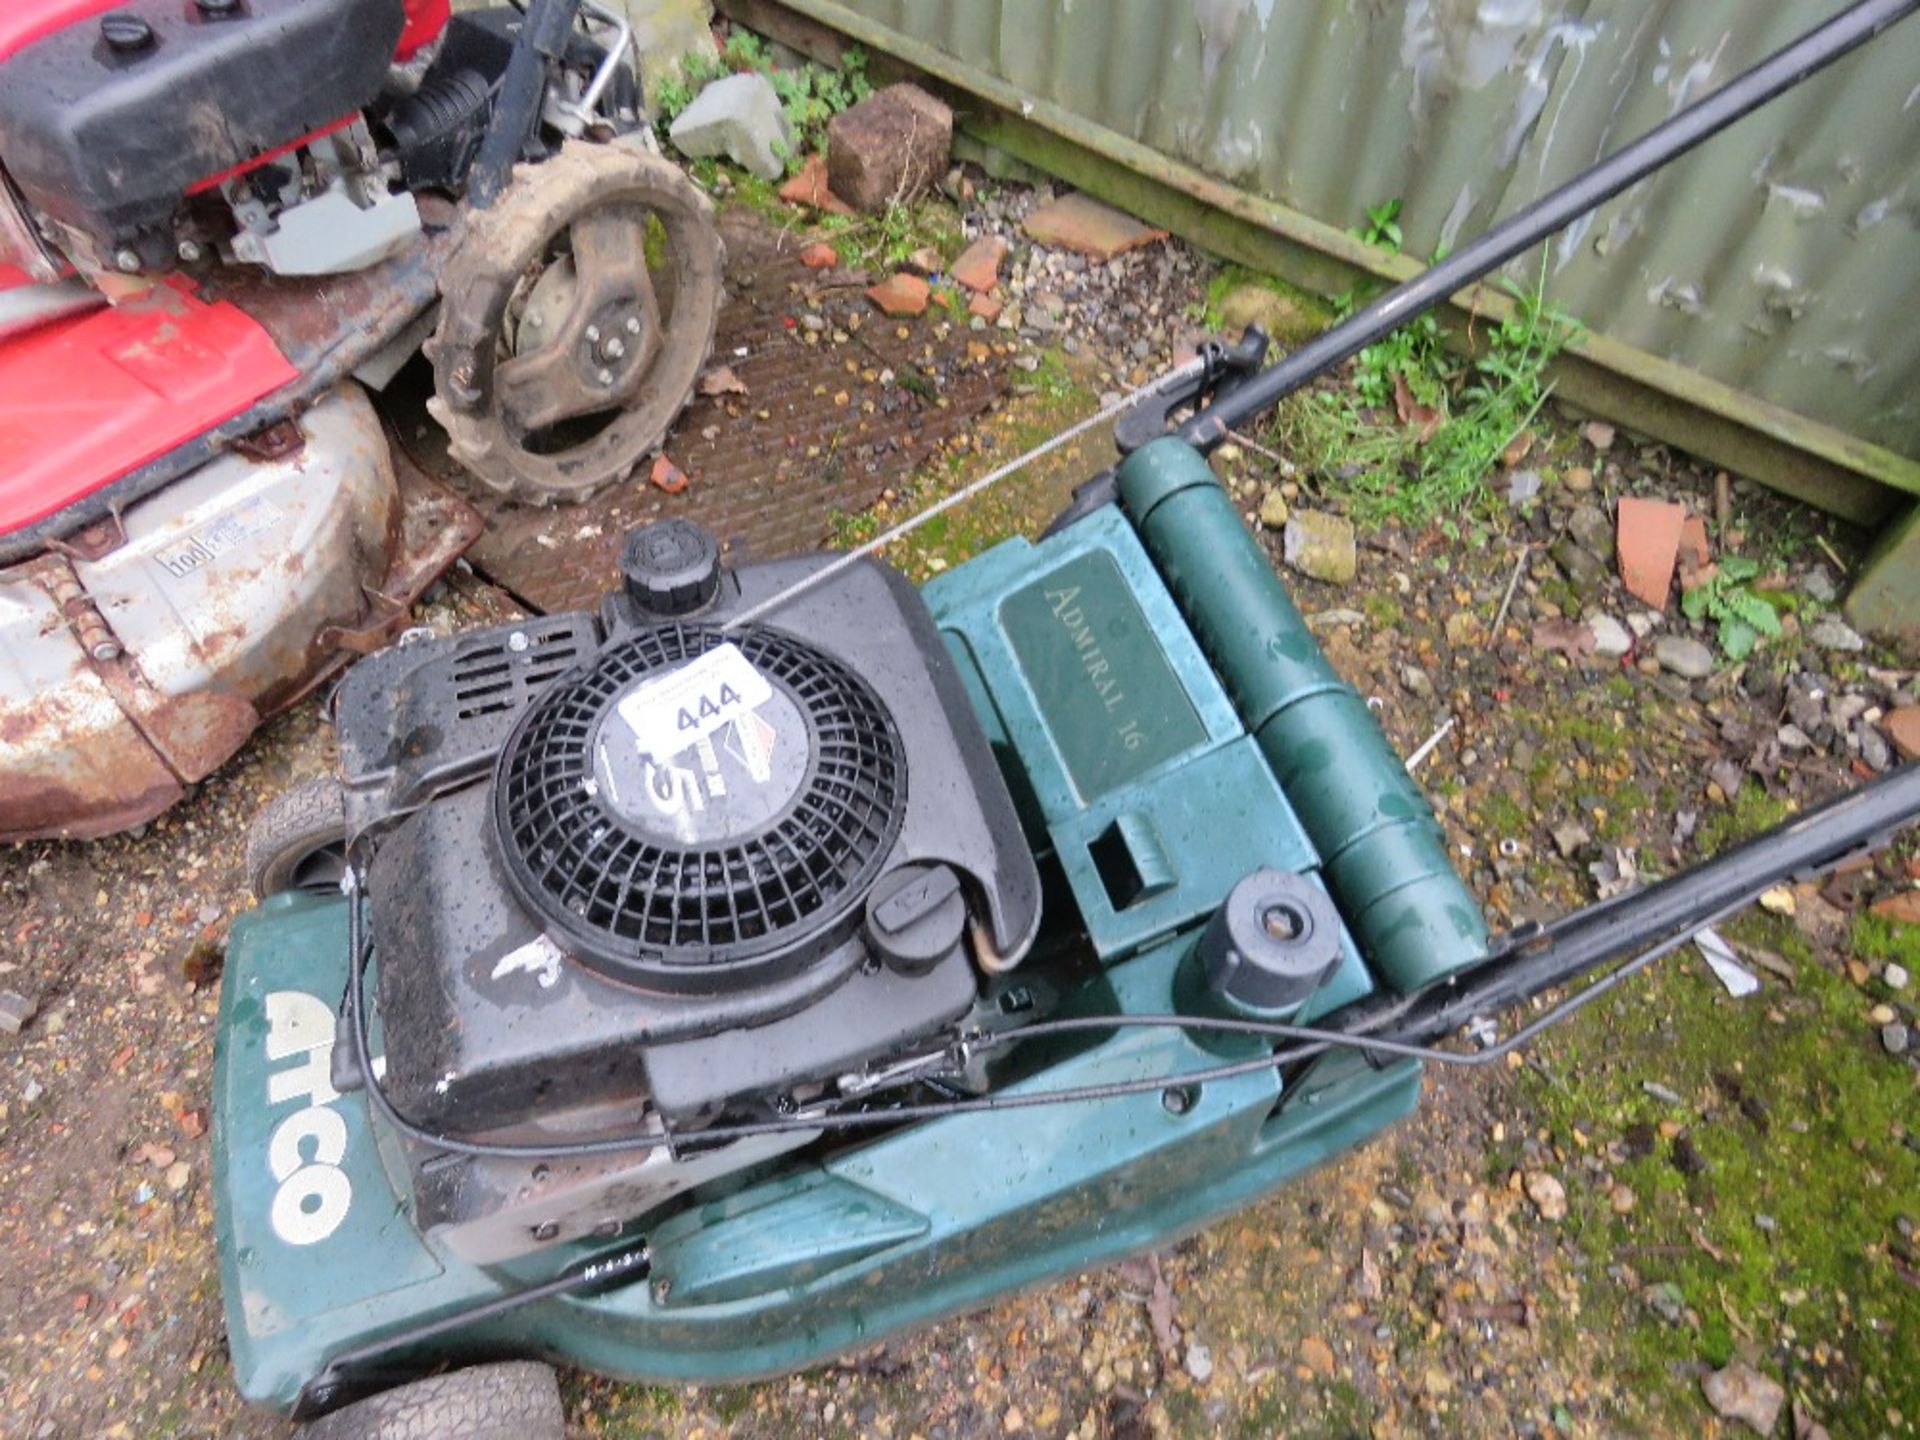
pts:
[1310, 1041]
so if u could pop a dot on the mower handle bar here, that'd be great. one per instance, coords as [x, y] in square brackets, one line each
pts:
[1474, 261]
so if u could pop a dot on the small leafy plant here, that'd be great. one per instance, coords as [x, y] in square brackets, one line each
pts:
[810, 94]
[1727, 598]
[1383, 226]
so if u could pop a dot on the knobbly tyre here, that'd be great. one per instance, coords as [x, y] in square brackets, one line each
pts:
[779, 957]
[221, 223]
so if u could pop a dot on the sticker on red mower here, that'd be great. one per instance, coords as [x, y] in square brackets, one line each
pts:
[681, 709]
[225, 533]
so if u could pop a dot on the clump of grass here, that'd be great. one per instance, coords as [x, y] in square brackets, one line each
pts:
[1416, 428]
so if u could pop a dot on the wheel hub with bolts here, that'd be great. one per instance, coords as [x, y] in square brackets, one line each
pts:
[553, 387]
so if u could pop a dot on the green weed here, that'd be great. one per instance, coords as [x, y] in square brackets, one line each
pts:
[810, 94]
[1383, 226]
[1743, 614]
[1416, 429]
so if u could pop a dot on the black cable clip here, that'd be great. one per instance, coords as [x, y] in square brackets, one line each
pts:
[1224, 367]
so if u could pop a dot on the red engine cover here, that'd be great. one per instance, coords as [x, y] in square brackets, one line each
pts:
[425, 19]
[24, 21]
[84, 401]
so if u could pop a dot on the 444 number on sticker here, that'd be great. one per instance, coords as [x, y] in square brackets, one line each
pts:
[684, 707]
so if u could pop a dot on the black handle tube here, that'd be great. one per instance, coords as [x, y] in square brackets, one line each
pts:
[516, 110]
[1522, 230]
[1810, 843]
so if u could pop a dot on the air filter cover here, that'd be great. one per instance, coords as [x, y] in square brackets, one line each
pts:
[696, 811]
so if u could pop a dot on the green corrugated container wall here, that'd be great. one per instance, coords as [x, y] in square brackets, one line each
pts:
[1781, 259]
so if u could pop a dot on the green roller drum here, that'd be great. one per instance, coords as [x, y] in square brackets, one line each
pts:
[1383, 851]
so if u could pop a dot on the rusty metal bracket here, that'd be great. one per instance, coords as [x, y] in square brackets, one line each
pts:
[95, 542]
[58, 578]
[272, 442]
[436, 528]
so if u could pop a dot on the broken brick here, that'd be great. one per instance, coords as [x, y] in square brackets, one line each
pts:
[978, 267]
[1649, 545]
[1694, 550]
[1902, 909]
[668, 476]
[986, 307]
[901, 294]
[819, 256]
[809, 187]
[889, 148]
[1903, 728]
[1080, 222]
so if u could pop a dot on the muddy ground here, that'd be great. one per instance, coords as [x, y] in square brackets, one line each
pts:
[1563, 1247]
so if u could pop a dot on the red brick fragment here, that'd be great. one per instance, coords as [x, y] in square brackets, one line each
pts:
[1902, 909]
[1903, 728]
[819, 256]
[889, 147]
[1080, 222]
[809, 187]
[978, 267]
[900, 294]
[1649, 541]
[986, 307]
[1694, 550]
[668, 476]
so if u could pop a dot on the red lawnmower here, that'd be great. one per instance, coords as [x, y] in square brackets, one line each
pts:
[223, 222]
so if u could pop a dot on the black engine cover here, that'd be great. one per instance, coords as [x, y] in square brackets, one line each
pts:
[109, 140]
[551, 955]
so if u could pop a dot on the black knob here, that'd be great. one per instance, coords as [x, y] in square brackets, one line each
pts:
[916, 915]
[671, 567]
[1271, 943]
[218, 9]
[125, 33]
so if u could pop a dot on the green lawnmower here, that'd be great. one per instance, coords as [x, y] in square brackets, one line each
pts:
[781, 957]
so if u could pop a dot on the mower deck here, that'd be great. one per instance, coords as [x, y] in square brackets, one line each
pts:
[1139, 784]
[134, 667]
[318, 1254]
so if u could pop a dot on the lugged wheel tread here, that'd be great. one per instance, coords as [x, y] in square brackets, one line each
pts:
[539, 198]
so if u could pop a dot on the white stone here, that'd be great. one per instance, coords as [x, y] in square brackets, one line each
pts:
[1610, 637]
[739, 117]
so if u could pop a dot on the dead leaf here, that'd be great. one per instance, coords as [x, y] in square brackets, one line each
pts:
[1571, 637]
[1318, 1356]
[1615, 873]
[1517, 449]
[1160, 1310]
[668, 476]
[721, 381]
[1424, 418]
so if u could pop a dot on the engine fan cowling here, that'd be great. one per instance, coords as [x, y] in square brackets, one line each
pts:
[700, 871]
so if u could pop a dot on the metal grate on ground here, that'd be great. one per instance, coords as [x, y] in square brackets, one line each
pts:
[842, 403]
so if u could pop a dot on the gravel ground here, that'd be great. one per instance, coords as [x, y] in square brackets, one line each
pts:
[1451, 1278]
